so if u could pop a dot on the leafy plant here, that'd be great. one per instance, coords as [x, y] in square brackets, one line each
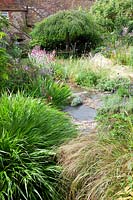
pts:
[108, 84]
[56, 92]
[4, 58]
[72, 30]
[123, 55]
[89, 79]
[113, 15]
[30, 132]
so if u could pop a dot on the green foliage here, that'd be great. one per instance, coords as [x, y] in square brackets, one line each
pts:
[108, 84]
[28, 79]
[4, 58]
[15, 51]
[123, 55]
[67, 30]
[113, 15]
[56, 92]
[88, 79]
[114, 114]
[3, 23]
[79, 70]
[20, 78]
[60, 72]
[30, 132]
[123, 91]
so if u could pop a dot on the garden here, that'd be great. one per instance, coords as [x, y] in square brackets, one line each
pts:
[66, 106]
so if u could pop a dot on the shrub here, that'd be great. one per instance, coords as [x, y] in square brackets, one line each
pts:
[108, 84]
[113, 115]
[67, 30]
[60, 72]
[79, 70]
[88, 79]
[3, 23]
[113, 15]
[23, 76]
[28, 81]
[4, 58]
[36, 78]
[30, 132]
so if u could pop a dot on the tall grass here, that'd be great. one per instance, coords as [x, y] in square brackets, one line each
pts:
[123, 55]
[99, 167]
[30, 132]
[73, 69]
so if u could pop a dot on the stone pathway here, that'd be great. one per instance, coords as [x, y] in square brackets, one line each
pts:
[83, 116]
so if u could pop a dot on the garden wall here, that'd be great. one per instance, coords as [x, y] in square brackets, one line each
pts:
[24, 13]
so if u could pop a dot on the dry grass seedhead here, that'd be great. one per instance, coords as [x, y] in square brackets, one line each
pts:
[96, 169]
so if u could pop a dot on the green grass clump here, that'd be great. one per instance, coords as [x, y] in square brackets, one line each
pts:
[30, 132]
[56, 92]
[124, 56]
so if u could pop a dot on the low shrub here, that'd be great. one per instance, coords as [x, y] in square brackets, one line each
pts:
[4, 57]
[60, 71]
[30, 132]
[88, 79]
[37, 77]
[79, 70]
[108, 84]
[114, 103]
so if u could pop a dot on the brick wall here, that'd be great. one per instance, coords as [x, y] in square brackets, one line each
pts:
[28, 12]
[44, 8]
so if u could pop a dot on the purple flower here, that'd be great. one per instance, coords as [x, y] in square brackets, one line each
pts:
[26, 68]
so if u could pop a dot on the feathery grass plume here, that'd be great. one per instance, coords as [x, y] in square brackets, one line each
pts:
[98, 168]
[30, 132]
